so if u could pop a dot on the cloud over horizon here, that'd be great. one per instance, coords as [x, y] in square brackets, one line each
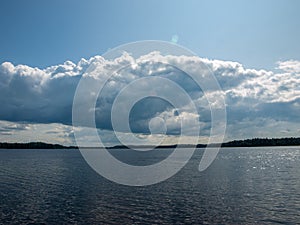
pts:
[259, 102]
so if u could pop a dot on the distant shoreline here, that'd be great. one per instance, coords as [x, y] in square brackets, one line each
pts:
[33, 145]
[255, 142]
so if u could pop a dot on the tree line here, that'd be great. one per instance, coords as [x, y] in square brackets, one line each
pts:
[255, 142]
[33, 145]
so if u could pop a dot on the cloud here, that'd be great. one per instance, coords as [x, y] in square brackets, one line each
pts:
[28, 132]
[291, 66]
[45, 96]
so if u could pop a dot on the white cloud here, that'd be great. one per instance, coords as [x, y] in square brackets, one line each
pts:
[44, 96]
[291, 66]
[28, 132]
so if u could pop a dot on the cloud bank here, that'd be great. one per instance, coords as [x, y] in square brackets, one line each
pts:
[259, 102]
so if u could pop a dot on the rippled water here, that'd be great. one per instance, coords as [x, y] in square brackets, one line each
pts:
[242, 186]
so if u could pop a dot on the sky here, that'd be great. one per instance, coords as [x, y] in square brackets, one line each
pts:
[254, 33]
[46, 46]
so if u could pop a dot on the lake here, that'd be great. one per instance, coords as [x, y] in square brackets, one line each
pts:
[242, 186]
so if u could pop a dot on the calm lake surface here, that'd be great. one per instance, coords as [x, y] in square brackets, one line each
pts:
[242, 186]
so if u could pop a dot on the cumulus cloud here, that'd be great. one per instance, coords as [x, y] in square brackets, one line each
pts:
[253, 97]
[291, 66]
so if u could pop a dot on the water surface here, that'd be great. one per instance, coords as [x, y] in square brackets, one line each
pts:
[242, 186]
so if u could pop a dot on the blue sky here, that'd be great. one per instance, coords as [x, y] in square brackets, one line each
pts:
[255, 33]
[252, 47]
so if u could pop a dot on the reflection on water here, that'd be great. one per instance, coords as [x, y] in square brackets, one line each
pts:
[242, 186]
